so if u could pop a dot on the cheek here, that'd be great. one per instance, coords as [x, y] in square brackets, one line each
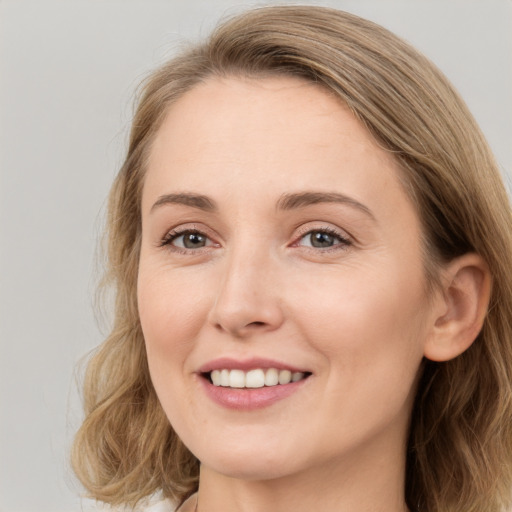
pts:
[370, 341]
[170, 314]
[369, 327]
[170, 311]
[169, 303]
[358, 301]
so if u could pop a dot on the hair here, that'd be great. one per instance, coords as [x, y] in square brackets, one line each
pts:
[459, 452]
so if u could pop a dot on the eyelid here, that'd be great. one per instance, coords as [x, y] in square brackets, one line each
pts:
[171, 234]
[346, 240]
[182, 229]
[309, 227]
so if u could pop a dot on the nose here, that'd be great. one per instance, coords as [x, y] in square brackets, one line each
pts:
[248, 300]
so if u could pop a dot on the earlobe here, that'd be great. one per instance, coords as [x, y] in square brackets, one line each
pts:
[462, 305]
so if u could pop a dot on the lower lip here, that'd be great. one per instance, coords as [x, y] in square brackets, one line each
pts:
[248, 399]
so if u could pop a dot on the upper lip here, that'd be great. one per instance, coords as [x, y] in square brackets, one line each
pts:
[227, 363]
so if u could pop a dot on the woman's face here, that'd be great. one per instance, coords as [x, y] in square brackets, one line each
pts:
[278, 242]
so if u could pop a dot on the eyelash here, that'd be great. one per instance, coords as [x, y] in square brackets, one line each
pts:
[171, 236]
[343, 243]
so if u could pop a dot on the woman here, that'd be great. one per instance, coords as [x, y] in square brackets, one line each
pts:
[310, 244]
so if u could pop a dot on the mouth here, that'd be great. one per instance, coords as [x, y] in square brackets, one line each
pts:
[254, 378]
[251, 384]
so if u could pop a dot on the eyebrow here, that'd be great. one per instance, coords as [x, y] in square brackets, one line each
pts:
[194, 200]
[303, 199]
[285, 202]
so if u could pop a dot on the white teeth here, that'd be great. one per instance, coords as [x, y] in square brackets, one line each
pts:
[224, 378]
[236, 379]
[256, 378]
[285, 377]
[297, 376]
[271, 377]
[215, 375]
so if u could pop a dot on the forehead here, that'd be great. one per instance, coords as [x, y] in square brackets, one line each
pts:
[245, 110]
[263, 135]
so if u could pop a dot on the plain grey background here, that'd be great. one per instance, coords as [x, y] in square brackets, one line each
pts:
[68, 71]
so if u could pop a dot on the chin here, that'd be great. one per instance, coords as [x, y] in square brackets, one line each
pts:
[247, 470]
[248, 462]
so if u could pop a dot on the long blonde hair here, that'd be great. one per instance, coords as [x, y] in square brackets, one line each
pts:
[460, 442]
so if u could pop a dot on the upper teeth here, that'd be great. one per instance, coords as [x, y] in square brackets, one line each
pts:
[254, 378]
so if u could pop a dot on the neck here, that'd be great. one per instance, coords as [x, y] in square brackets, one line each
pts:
[356, 484]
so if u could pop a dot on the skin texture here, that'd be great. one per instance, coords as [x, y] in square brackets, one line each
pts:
[355, 314]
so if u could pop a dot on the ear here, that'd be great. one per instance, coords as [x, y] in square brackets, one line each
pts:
[460, 307]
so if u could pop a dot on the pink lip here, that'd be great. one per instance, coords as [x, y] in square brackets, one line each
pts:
[249, 399]
[226, 363]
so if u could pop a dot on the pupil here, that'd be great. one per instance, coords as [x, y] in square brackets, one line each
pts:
[320, 239]
[193, 240]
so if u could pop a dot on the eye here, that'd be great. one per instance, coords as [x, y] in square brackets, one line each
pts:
[189, 239]
[323, 239]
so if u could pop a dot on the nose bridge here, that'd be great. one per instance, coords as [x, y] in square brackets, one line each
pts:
[247, 298]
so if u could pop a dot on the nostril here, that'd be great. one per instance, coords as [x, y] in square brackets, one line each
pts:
[256, 324]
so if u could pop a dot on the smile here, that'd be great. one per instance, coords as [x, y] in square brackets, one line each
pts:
[250, 384]
[256, 378]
